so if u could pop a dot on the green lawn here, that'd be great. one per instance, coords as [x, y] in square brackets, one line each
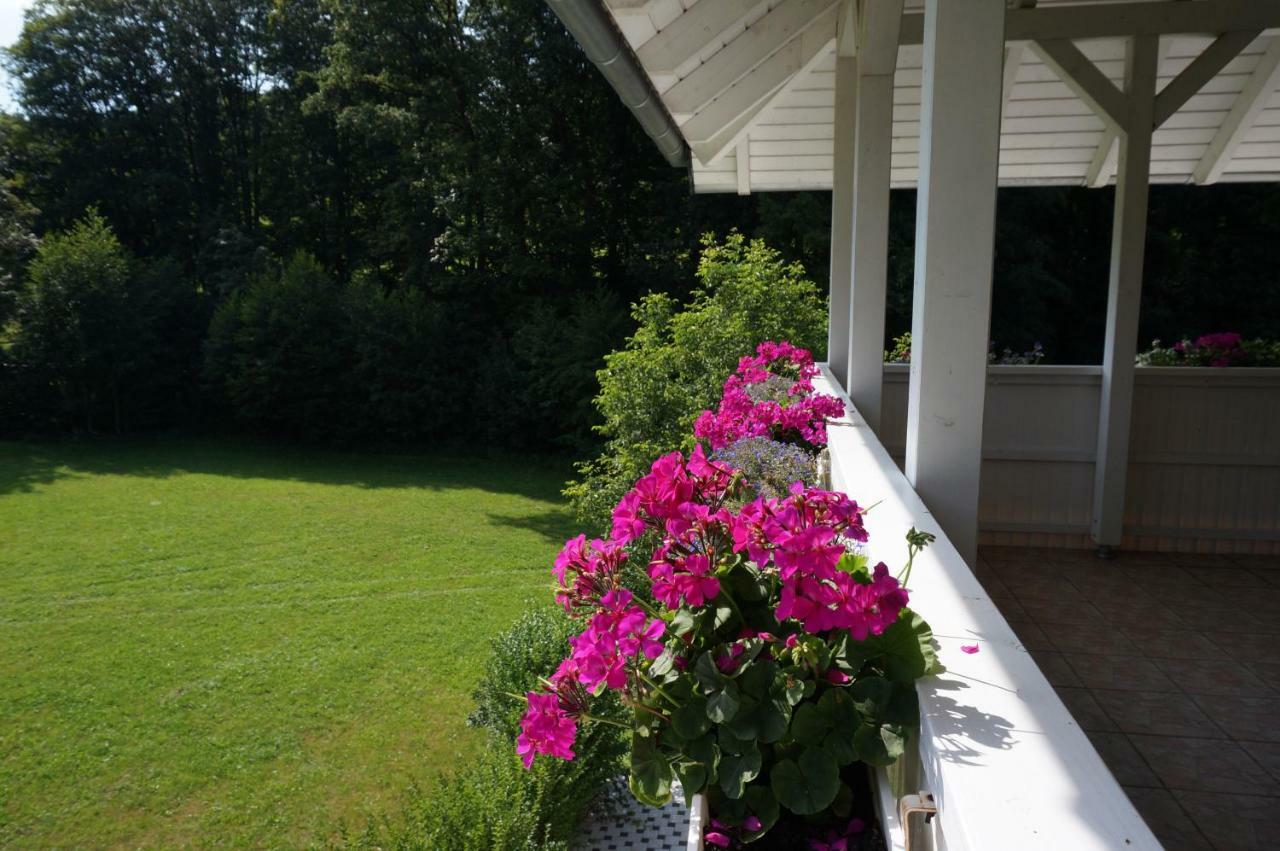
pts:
[213, 644]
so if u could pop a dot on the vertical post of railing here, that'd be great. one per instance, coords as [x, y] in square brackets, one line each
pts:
[955, 244]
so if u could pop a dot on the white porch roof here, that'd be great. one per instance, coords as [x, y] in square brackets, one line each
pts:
[751, 86]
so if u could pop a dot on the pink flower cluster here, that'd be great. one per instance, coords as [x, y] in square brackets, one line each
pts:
[1222, 349]
[802, 537]
[618, 636]
[800, 413]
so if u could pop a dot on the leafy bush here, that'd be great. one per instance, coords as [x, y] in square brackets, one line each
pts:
[92, 343]
[493, 802]
[298, 354]
[673, 365]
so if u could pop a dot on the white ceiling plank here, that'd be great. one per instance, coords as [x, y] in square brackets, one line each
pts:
[763, 81]
[1201, 70]
[736, 59]
[690, 33]
[1252, 100]
[1083, 77]
[742, 155]
[1102, 20]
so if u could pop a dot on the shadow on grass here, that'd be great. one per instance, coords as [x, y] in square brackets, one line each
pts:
[27, 466]
[555, 524]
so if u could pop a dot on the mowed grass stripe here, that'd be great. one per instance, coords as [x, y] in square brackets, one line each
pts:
[284, 641]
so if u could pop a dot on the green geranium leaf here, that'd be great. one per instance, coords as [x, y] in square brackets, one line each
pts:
[737, 770]
[650, 779]
[723, 705]
[907, 649]
[809, 725]
[707, 674]
[880, 745]
[706, 751]
[856, 564]
[842, 718]
[690, 720]
[807, 785]
[662, 665]
[723, 614]
[757, 678]
[762, 804]
[693, 779]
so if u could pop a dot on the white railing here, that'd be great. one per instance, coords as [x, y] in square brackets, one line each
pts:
[1204, 462]
[1009, 768]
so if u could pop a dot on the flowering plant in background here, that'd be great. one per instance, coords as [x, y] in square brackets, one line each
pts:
[770, 395]
[1225, 348]
[900, 352]
[769, 466]
[764, 657]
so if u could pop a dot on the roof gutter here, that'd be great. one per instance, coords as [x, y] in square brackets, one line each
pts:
[587, 22]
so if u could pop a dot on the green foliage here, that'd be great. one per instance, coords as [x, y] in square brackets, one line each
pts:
[534, 644]
[88, 345]
[296, 353]
[674, 364]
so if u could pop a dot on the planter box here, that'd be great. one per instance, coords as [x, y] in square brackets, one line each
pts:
[1204, 456]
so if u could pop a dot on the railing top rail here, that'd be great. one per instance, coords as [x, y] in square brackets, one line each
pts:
[1008, 765]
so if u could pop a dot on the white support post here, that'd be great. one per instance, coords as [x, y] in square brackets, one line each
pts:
[873, 134]
[1128, 243]
[955, 244]
[842, 218]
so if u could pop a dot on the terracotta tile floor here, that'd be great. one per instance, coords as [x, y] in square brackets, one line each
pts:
[1168, 663]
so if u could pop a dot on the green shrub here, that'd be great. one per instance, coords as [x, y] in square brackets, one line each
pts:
[90, 346]
[674, 364]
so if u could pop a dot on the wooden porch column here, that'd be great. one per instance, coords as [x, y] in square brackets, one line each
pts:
[842, 215]
[955, 238]
[1128, 243]
[878, 29]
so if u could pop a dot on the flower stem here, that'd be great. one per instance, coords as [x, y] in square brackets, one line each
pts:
[657, 688]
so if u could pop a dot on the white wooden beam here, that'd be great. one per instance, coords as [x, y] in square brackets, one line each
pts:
[1012, 62]
[879, 25]
[1123, 19]
[842, 164]
[1103, 165]
[1124, 294]
[1244, 112]
[1201, 70]
[955, 236]
[742, 157]
[1083, 77]
[873, 132]
[687, 35]
[755, 45]
[1104, 20]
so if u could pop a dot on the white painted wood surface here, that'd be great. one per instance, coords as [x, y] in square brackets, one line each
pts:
[1124, 290]
[1204, 457]
[1009, 767]
[955, 238]
[878, 26]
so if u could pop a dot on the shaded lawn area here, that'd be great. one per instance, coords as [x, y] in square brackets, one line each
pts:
[206, 643]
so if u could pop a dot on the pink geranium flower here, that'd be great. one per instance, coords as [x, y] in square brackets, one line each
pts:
[546, 728]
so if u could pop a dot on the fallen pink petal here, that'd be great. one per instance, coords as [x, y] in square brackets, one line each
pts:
[969, 648]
